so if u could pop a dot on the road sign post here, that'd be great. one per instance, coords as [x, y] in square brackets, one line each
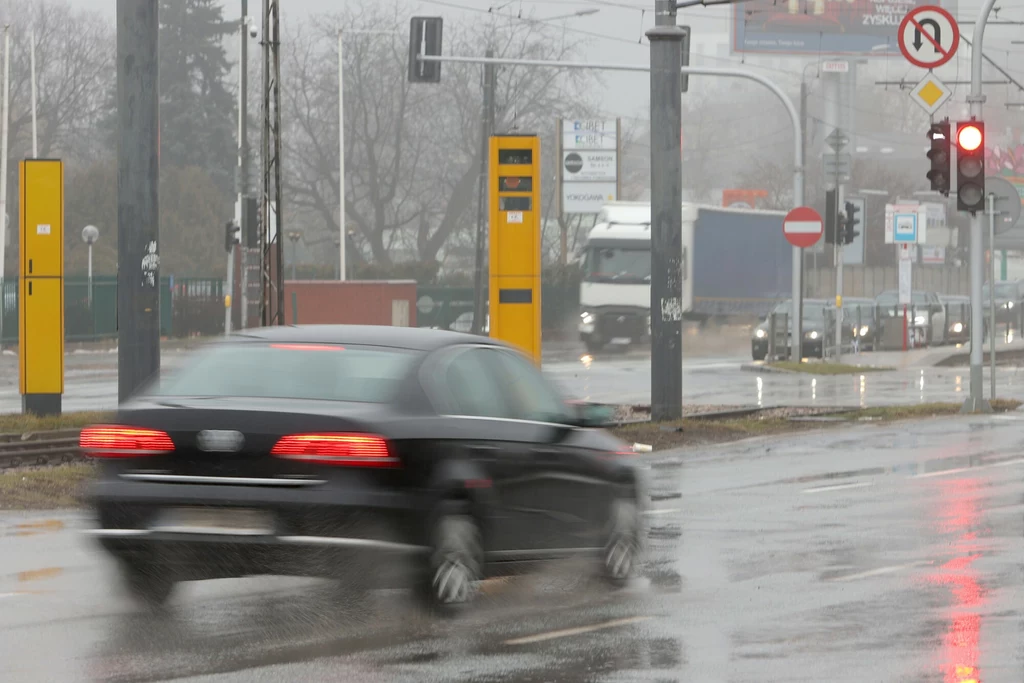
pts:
[928, 36]
[802, 228]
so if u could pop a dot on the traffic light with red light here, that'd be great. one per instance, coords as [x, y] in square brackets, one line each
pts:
[970, 166]
[938, 154]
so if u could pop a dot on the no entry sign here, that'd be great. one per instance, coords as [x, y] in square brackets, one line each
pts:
[802, 227]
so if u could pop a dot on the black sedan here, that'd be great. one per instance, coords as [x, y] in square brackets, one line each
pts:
[374, 455]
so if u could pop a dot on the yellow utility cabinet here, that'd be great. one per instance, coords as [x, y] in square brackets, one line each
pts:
[515, 244]
[41, 285]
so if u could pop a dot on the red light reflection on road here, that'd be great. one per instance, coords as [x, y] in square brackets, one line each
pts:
[959, 515]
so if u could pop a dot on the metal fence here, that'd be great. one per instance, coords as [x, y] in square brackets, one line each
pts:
[440, 306]
[870, 281]
[188, 307]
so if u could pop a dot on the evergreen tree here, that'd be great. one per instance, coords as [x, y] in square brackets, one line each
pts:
[197, 110]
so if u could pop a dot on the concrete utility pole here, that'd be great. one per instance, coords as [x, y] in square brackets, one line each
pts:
[487, 130]
[976, 403]
[666, 214]
[138, 179]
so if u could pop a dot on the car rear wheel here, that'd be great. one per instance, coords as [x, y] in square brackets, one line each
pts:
[455, 565]
[622, 554]
[147, 583]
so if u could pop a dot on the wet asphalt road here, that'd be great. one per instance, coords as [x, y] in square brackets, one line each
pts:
[867, 554]
[714, 379]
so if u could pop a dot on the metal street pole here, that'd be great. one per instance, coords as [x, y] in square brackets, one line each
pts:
[32, 78]
[480, 256]
[4, 113]
[342, 272]
[342, 232]
[666, 214]
[794, 117]
[992, 294]
[138, 181]
[90, 275]
[243, 173]
[976, 403]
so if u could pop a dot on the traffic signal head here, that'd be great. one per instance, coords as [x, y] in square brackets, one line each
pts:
[230, 235]
[831, 216]
[851, 222]
[938, 154]
[970, 166]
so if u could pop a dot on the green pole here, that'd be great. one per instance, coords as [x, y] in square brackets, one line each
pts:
[1002, 267]
[295, 308]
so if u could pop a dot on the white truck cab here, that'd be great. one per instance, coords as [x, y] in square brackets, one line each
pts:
[615, 292]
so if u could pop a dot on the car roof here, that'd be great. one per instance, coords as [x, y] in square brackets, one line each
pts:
[413, 338]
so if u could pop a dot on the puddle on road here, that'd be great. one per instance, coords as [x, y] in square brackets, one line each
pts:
[39, 574]
[44, 526]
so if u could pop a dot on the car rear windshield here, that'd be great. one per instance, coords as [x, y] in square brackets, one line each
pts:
[328, 372]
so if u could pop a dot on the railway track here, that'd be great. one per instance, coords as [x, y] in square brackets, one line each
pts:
[48, 449]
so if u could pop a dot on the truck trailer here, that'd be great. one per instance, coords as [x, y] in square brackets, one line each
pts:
[735, 263]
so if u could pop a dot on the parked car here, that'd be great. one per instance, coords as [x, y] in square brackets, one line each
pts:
[1009, 302]
[814, 322]
[370, 454]
[926, 315]
[958, 318]
[464, 323]
[860, 323]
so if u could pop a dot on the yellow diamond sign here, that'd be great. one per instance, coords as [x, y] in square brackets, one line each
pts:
[930, 93]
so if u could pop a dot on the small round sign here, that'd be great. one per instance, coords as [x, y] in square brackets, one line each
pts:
[803, 227]
[573, 162]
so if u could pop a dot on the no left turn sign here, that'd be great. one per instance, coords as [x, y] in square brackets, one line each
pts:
[929, 36]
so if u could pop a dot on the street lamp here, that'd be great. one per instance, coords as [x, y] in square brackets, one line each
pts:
[294, 236]
[90, 234]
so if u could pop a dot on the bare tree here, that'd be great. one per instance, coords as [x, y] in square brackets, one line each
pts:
[74, 74]
[412, 152]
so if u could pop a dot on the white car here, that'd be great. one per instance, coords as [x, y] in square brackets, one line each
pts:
[464, 323]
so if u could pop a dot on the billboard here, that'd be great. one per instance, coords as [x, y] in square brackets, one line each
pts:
[826, 27]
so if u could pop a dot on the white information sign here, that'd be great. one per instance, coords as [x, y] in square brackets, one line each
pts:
[590, 135]
[588, 168]
[514, 216]
[586, 197]
[905, 282]
[911, 219]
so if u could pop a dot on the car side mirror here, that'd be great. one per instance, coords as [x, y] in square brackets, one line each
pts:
[594, 414]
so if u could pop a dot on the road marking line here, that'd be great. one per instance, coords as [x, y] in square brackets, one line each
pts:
[876, 572]
[940, 473]
[10, 595]
[669, 511]
[564, 633]
[1008, 463]
[838, 487]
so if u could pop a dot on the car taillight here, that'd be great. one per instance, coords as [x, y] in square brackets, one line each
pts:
[354, 450]
[111, 441]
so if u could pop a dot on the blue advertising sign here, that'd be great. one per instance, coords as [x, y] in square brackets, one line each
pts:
[822, 27]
